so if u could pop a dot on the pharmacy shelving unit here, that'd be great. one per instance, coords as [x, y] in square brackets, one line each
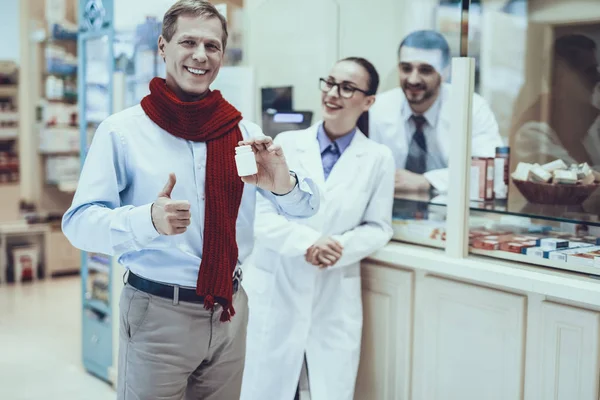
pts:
[9, 142]
[95, 90]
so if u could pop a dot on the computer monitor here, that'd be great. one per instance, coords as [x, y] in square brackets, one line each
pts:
[276, 98]
[274, 123]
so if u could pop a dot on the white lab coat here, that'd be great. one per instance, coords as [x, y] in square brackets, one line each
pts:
[294, 306]
[387, 126]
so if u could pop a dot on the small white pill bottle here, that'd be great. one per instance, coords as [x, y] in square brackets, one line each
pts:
[245, 161]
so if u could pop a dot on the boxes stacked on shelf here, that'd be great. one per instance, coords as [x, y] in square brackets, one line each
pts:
[61, 139]
[57, 114]
[9, 73]
[556, 172]
[489, 176]
[9, 167]
[64, 89]
[63, 31]
[535, 243]
[9, 121]
[59, 61]
[62, 169]
[25, 261]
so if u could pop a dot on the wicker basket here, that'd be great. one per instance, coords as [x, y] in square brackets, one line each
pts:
[548, 193]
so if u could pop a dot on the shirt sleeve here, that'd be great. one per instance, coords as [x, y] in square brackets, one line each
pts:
[96, 220]
[375, 230]
[304, 199]
[302, 202]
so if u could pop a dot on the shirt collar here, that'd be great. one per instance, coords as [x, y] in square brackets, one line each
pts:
[431, 115]
[342, 142]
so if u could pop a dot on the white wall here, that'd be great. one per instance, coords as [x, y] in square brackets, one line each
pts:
[9, 30]
[130, 13]
[294, 42]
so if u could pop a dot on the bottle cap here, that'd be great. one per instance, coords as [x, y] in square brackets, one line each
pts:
[503, 150]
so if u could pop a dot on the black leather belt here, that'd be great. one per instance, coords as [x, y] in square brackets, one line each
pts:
[174, 292]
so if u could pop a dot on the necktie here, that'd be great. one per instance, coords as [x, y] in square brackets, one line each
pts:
[417, 152]
[329, 157]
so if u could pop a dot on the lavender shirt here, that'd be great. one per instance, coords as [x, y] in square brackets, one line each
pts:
[332, 151]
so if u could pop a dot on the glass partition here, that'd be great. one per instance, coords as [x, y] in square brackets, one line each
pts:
[536, 135]
[413, 120]
[541, 77]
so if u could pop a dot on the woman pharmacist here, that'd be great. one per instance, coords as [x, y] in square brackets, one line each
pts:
[303, 279]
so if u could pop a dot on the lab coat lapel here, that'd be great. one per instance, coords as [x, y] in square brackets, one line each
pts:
[309, 155]
[397, 127]
[349, 164]
[442, 129]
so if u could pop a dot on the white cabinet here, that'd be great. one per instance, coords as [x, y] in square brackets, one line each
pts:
[384, 371]
[469, 342]
[63, 257]
[569, 358]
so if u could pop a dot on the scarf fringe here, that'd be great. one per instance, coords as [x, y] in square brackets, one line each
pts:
[209, 302]
[227, 314]
[228, 310]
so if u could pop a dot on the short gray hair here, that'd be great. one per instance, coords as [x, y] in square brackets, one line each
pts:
[197, 8]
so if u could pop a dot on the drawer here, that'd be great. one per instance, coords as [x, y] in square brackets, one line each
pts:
[96, 339]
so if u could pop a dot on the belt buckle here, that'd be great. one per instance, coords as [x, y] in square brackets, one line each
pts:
[175, 295]
[237, 278]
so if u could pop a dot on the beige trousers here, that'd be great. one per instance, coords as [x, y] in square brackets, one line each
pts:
[179, 352]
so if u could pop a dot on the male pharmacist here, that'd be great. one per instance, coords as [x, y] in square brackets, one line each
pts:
[413, 120]
[160, 190]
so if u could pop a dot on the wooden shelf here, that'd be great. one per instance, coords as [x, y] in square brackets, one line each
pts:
[59, 153]
[67, 187]
[9, 134]
[8, 90]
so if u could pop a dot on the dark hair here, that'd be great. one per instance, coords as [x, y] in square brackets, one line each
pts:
[427, 40]
[196, 8]
[572, 47]
[373, 85]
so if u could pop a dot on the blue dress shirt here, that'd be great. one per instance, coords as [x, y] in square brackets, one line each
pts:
[127, 165]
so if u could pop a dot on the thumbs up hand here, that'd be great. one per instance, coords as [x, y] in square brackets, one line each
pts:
[170, 217]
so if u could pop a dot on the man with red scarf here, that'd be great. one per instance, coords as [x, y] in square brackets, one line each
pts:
[183, 312]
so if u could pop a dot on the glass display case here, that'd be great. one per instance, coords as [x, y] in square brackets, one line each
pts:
[556, 236]
[537, 200]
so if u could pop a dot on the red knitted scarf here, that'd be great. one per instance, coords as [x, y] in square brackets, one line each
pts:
[214, 121]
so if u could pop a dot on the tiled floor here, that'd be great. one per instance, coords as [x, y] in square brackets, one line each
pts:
[40, 343]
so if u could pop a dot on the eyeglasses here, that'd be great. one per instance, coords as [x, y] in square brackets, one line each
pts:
[344, 89]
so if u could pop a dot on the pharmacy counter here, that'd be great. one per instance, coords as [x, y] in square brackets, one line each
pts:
[440, 328]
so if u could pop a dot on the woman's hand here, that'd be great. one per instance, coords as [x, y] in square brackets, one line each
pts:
[324, 253]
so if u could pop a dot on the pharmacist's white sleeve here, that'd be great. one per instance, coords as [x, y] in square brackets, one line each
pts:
[96, 221]
[375, 230]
